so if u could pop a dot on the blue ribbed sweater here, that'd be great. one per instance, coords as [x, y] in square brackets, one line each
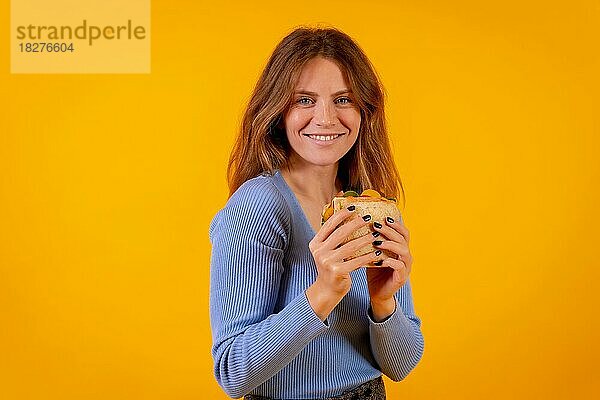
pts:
[267, 340]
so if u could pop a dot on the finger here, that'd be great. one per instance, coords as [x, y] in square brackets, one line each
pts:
[389, 233]
[400, 249]
[393, 230]
[401, 270]
[359, 262]
[347, 249]
[399, 227]
[341, 233]
[332, 223]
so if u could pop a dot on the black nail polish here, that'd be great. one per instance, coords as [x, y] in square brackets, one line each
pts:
[367, 217]
[377, 225]
[377, 242]
[375, 234]
[390, 220]
[378, 263]
[378, 253]
[351, 208]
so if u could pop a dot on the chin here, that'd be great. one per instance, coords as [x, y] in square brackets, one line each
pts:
[322, 160]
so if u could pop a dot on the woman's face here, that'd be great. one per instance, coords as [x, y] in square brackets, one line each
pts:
[323, 122]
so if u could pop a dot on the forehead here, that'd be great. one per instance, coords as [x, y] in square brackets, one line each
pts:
[323, 74]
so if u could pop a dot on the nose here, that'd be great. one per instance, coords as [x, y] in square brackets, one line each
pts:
[324, 115]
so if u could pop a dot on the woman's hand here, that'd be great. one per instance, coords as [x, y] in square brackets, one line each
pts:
[333, 279]
[385, 282]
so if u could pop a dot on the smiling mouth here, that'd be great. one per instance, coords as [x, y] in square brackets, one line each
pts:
[324, 138]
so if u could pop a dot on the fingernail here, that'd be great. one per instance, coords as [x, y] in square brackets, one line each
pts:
[378, 263]
[378, 253]
[390, 220]
[367, 217]
[375, 234]
[377, 242]
[377, 225]
[351, 208]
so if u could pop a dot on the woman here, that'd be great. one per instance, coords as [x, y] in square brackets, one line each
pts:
[290, 319]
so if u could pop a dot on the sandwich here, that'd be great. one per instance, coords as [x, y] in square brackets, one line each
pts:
[368, 202]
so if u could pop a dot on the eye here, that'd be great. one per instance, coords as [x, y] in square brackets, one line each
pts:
[304, 101]
[343, 100]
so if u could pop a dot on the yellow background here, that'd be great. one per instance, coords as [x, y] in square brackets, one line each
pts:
[108, 184]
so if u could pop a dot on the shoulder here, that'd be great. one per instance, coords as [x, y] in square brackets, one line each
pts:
[257, 193]
[256, 203]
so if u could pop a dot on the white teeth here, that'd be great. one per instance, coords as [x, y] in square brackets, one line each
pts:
[323, 138]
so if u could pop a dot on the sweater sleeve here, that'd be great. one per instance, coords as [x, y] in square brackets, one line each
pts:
[251, 343]
[397, 342]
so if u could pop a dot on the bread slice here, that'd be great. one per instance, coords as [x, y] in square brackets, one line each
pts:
[378, 209]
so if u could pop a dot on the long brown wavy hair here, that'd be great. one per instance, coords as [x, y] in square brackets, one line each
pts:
[262, 146]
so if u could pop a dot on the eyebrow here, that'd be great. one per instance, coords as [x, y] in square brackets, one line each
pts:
[301, 91]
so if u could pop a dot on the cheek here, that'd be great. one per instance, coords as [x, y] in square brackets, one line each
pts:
[350, 119]
[296, 120]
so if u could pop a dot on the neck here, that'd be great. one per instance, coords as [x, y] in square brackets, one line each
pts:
[312, 182]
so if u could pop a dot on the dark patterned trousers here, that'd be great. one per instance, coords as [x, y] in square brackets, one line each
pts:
[371, 390]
